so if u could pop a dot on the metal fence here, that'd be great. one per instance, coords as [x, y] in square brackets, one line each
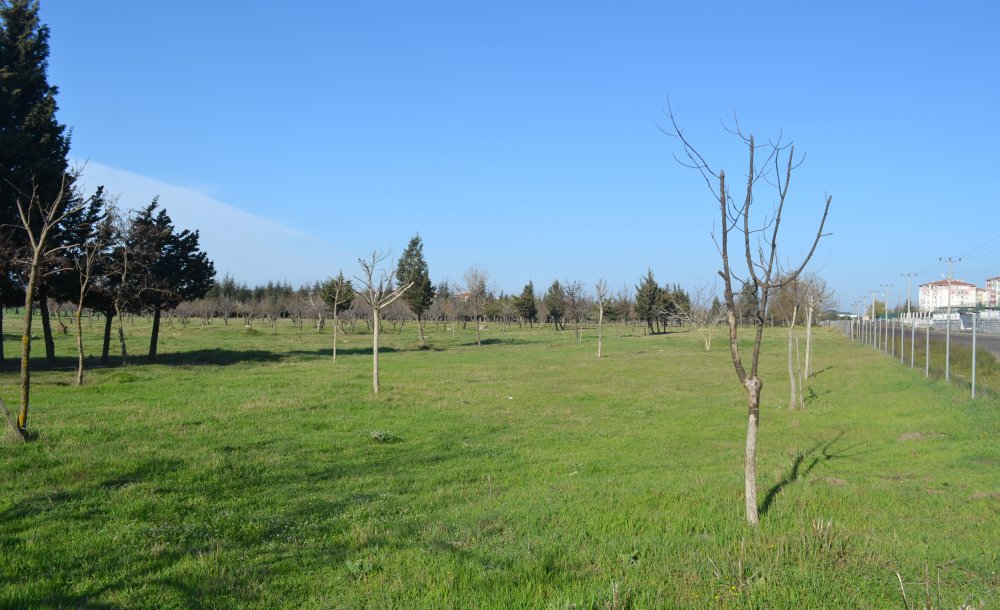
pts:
[901, 337]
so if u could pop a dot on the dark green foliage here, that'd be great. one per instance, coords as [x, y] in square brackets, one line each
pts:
[176, 269]
[746, 303]
[648, 299]
[33, 144]
[524, 304]
[555, 300]
[173, 268]
[673, 300]
[337, 292]
[413, 268]
[443, 291]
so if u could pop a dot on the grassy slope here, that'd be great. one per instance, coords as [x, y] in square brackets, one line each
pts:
[241, 472]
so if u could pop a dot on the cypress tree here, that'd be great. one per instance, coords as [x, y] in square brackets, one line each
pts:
[647, 299]
[33, 144]
[412, 268]
[525, 304]
[555, 300]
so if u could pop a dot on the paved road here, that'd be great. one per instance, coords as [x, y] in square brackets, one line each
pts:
[964, 338]
[989, 342]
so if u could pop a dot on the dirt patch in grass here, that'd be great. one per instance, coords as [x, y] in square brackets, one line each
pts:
[919, 436]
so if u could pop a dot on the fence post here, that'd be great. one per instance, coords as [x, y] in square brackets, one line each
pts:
[927, 350]
[974, 316]
[913, 335]
[947, 346]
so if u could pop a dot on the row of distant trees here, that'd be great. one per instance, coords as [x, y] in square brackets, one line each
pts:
[564, 304]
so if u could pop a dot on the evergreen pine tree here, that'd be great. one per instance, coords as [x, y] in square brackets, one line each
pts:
[33, 144]
[555, 300]
[524, 304]
[647, 299]
[176, 270]
[412, 268]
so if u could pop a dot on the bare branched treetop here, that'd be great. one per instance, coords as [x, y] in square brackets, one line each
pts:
[769, 164]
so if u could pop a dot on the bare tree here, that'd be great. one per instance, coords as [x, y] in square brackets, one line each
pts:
[338, 293]
[298, 308]
[760, 251]
[475, 286]
[316, 307]
[86, 261]
[787, 302]
[576, 305]
[38, 219]
[272, 306]
[248, 310]
[702, 311]
[601, 289]
[816, 297]
[378, 293]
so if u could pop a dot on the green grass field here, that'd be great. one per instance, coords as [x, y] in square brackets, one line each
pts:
[248, 470]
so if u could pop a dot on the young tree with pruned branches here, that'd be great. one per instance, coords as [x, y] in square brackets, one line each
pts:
[38, 219]
[379, 294]
[701, 310]
[601, 289]
[475, 287]
[760, 254]
[96, 233]
[338, 293]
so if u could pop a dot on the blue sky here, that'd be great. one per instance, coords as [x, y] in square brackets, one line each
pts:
[522, 137]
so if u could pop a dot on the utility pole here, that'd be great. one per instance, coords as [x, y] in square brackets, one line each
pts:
[874, 335]
[885, 295]
[947, 327]
[908, 277]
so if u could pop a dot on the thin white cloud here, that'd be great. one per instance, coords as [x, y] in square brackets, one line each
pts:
[253, 249]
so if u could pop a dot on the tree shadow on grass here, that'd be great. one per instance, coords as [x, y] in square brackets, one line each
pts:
[192, 556]
[802, 465]
[494, 341]
[212, 357]
[813, 396]
[327, 352]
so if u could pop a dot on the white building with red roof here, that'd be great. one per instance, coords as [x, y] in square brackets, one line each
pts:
[934, 296]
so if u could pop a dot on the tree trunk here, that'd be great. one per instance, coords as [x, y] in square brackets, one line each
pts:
[29, 301]
[79, 345]
[155, 334]
[791, 372]
[753, 387]
[791, 369]
[106, 347]
[420, 325]
[375, 326]
[479, 339]
[43, 309]
[802, 381]
[335, 328]
[807, 372]
[600, 330]
[1, 337]
[121, 337]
